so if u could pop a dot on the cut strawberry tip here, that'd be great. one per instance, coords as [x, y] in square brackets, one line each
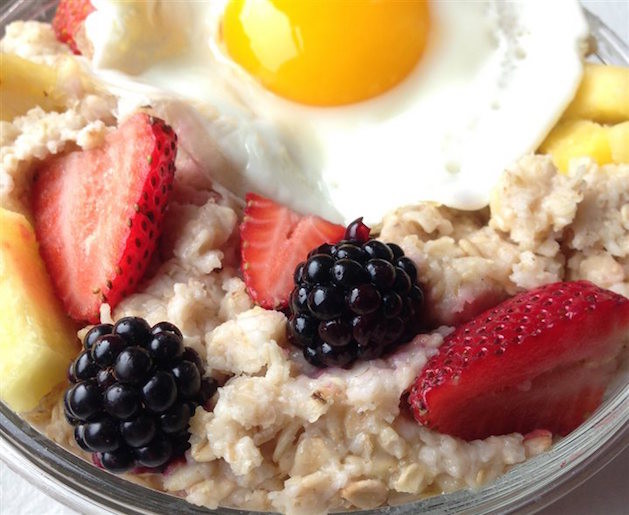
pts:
[357, 230]
[274, 240]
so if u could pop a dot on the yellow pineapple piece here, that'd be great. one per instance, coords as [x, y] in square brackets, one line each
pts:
[603, 95]
[24, 85]
[37, 340]
[577, 138]
[619, 142]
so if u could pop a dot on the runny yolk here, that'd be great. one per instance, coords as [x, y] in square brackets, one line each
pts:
[326, 52]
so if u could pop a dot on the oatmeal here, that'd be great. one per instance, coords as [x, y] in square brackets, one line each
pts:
[541, 227]
[281, 434]
[282, 437]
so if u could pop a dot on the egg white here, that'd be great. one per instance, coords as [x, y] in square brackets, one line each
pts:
[494, 79]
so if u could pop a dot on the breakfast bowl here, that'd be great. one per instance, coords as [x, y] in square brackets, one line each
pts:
[524, 488]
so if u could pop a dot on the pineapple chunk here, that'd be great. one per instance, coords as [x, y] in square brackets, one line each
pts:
[24, 85]
[577, 138]
[619, 142]
[37, 340]
[603, 95]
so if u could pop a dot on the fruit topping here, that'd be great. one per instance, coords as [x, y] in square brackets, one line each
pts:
[68, 21]
[37, 339]
[540, 360]
[582, 138]
[595, 123]
[274, 240]
[98, 213]
[603, 94]
[134, 389]
[25, 84]
[356, 299]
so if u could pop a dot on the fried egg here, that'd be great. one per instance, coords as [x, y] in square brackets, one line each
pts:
[348, 109]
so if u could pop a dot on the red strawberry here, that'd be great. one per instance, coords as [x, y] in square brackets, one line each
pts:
[68, 19]
[274, 241]
[98, 213]
[540, 360]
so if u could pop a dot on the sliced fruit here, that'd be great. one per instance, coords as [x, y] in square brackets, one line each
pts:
[24, 85]
[37, 339]
[98, 213]
[540, 360]
[603, 95]
[619, 142]
[68, 21]
[577, 138]
[274, 241]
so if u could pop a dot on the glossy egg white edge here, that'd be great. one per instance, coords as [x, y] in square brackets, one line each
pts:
[494, 79]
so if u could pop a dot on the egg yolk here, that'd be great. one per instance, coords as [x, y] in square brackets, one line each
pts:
[326, 52]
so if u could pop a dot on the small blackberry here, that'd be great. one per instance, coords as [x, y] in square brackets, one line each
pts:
[357, 299]
[133, 391]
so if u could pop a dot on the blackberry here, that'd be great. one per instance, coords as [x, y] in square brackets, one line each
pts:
[94, 333]
[102, 435]
[133, 391]
[133, 365]
[134, 330]
[160, 392]
[357, 299]
[138, 431]
[106, 349]
[165, 346]
[82, 367]
[117, 461]
[188, 379]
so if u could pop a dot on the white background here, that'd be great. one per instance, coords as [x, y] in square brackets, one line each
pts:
[605, 493]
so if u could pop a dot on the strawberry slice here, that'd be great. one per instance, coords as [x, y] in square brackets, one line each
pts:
[274, 241]
[540, 360]
[68, 20]
[98, 213]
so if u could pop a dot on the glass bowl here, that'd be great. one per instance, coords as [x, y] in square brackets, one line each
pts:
[525, 488]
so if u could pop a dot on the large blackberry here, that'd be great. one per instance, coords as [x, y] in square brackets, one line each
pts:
[354, 300]
[133, 390]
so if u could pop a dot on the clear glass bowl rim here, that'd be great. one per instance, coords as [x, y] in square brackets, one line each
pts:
[526, 488]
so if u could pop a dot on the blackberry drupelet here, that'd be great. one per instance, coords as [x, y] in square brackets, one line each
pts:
[133, 391]
[357, 299]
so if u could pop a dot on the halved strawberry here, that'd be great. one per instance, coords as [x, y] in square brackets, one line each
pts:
[68, 20]
[274, 241]
[540, 360]
[98, 213]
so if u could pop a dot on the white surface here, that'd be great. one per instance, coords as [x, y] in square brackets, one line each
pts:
[605, 493]
[18, 497]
